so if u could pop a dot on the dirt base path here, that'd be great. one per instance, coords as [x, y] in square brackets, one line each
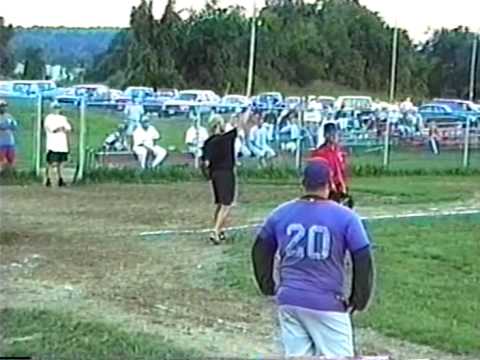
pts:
[88, 258]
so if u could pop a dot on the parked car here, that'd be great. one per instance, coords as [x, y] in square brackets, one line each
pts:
[132, 93]
[233, 103]
[293, 102]
[442, 113]
[139, 92]
[93, 93]
[29, 89]
[327, 101]
[202, 100]
[269, 101]
[356, 103]
[462, 107]
[166, 94]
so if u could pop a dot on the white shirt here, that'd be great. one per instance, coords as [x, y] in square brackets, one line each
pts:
[56, 141]
[259, 136]
[191, 136]
[406, 106]
[145, 137]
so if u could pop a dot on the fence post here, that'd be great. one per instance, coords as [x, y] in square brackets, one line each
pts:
[298, 157]
[198, 121]
[38, 136]
[466, 147]
[386, 147]
[81, 143]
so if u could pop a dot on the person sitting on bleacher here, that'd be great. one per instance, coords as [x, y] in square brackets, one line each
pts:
[258, 141]
[241, 148]
[144, 138]
[195, 137]
[289, 135]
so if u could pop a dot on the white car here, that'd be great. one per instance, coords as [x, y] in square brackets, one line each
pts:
[328, 102]
[203, 100]
[361, 103]
[235, 100]
[293, 102]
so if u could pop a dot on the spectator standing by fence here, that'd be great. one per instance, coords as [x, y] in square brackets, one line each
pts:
[57, 129]
[134, 112]
[8, 126]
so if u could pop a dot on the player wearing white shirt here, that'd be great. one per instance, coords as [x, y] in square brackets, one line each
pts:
[195, 137]
[144, 138]
[56, 128]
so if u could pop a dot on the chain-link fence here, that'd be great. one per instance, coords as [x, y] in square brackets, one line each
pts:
[281, 137]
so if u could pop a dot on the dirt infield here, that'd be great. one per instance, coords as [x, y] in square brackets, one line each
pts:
[78, 249]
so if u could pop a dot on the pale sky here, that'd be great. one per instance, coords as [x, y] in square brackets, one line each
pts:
[417, 16]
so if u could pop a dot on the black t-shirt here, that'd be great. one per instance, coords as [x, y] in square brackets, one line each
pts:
[219, 150]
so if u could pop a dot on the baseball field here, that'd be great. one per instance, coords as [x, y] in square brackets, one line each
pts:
[77, 277]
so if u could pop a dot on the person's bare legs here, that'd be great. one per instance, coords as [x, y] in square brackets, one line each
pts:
[217, 211]
[60, 174]
[222, 218]
[48, 173]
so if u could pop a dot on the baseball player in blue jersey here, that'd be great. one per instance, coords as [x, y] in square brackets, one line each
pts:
[311, 236]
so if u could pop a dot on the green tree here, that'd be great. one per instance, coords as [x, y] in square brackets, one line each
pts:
[34, 64]
[449, 53]
[6, 57]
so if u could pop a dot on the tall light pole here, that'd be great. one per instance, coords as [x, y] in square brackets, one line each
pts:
[393, 79]
[393, 72]
[251, 60]
[473, 68]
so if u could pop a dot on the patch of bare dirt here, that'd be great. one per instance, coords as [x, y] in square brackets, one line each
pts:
[92, 261]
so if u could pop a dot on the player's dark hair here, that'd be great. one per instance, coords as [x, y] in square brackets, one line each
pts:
[313, 188]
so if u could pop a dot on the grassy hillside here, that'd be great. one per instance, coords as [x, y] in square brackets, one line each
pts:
[65, 46]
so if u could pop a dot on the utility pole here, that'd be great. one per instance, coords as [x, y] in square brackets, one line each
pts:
[473, 68]
[393, 74]
[251, 60]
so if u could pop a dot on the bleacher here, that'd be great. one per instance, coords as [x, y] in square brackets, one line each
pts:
[127, 159]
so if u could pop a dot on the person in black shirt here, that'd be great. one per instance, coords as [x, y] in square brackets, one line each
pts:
[218, 165]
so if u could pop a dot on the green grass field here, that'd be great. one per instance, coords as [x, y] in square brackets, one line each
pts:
[73, 338]
[97, 289]
[427, 280]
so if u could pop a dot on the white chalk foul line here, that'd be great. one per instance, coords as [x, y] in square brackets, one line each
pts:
[374, 217]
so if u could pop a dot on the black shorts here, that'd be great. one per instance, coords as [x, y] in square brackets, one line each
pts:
[223, 183]
[56, 157]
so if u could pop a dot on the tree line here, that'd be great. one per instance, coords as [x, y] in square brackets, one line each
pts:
[338, 41]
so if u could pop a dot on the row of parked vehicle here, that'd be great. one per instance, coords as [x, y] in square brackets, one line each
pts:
[171, 102]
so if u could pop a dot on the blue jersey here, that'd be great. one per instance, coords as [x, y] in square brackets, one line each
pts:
[312, 238]
[8, 125]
